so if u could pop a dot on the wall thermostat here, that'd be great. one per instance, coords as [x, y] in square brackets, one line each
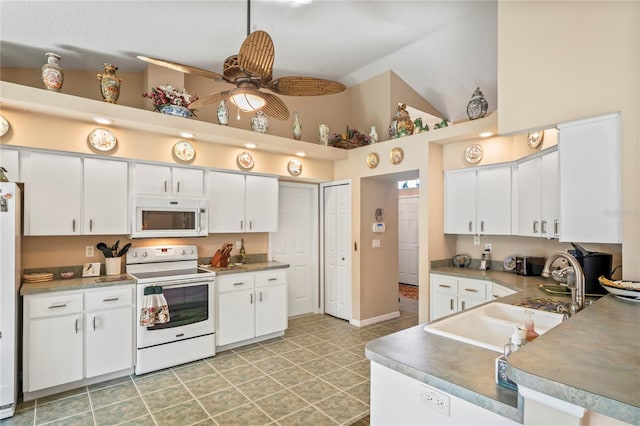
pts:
[378, 227]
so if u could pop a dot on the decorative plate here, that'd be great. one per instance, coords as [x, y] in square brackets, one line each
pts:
[534, 139]
[4, 125]
[461, 260]
[396, 156]
[373, 159]
[473, 153]
[184, 151]
[295, 167]
[102, 139]
[245, 160]
[509, 263]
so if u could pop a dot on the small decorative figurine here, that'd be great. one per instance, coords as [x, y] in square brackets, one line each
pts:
[401, 124]
[109, 83]
[223, 113]
[477, 106]
[260, 122]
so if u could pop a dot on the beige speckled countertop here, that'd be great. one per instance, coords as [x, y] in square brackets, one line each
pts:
[76, 284]
[569, 362]
[247, 267]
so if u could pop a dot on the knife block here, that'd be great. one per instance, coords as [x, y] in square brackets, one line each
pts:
[219, 260]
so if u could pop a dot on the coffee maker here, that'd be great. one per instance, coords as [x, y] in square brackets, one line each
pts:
[593, 264]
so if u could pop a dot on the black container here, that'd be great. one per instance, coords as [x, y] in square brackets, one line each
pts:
[594, 265]
[529, 265]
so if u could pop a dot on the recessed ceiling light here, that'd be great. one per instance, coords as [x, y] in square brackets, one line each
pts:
[186, 135]
[485, 134]
[300, 154]
[250, 145]
[102, 120]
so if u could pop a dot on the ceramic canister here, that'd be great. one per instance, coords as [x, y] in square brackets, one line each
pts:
[52, 74]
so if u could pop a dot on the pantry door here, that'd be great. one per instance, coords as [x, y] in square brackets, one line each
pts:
[296, 243]
[408, 240]
[336, 248]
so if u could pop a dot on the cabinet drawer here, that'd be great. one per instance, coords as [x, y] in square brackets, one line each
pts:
[472, 288]
[264, 278]
[55, 305]
[235, 282]
[109, 298]
[444, 284]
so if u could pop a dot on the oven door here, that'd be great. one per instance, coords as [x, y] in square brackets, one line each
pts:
[191, 312]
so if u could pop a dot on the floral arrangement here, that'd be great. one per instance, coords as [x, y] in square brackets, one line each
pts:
[352, 135]
[167, 95]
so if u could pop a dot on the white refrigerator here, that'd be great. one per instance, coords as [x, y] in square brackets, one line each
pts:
[10, 277]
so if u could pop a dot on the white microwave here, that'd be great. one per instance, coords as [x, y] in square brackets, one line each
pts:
[167, 217]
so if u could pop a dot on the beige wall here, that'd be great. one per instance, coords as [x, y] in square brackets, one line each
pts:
[584, 60]
[379, 266]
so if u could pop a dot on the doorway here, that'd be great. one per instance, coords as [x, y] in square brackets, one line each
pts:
[408, 239]
[296, 243]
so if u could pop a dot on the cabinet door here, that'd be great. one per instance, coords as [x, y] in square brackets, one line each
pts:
[149, 179]
[226, 202]
[271, 309]
[105, 197]
[529, 198]
[188, 182]
[465, 302]
[442, 304]
[10, 160]
[55, 351]
[460, 202]
[494, 200]
[590, 180]
[261, 204]
[235, 316]
[109, 341]
[53, 194]
[549, 196]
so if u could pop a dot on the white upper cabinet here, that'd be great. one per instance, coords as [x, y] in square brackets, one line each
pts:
[538, 196]
[478, 201]
[106, 197]
[53, 194]
[590, 180]
[10, 160]
[239, 203]
[151, 179]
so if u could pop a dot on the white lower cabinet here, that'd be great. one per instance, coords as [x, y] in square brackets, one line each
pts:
[74, 335]
[450, 294]
[251, 305]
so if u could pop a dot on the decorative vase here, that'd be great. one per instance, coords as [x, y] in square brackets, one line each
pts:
[109, 83]
[52, 74]
[260, 122]
[223, 113]
[401, 124]
[297, 128]
[477, 106]
[373, 134]
[176, 110]
[323, 134]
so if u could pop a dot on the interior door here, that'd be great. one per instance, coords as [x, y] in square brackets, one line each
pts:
[296, 243]
[337, 249]
[408, 240]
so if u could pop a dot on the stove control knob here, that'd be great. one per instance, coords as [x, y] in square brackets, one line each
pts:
[184, 252]
[144, 254]
[191, 251]
[134, 254]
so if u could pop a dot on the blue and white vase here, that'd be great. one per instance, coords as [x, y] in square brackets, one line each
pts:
[176, 110]
[260, 122]
[223, 113]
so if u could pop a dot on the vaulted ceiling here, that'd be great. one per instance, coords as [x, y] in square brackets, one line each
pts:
[442, 49]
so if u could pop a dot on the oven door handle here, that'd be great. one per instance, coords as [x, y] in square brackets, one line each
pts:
[180, 283]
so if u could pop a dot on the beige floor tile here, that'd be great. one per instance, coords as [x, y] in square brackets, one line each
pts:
[84, 419]
[207, 385]
[223, 401]
[155, 381]
[166, 397]
[194, 370]
[362, 368]
[282, 346]
[344, 357]
[306, 417]
[227, 362]
[120, 412]
[314, 390]
[113, 394]
[242, 374]
[281, 404]
[259, 388]
[257, 354]
[291, 376]
[323, 348]
[61, 408]
[305, 340]
[361, 392]
[299, 356]
[186, 413]
[343, 378]
[247, 414]
[23, 417]
[273, 364]
[145, 420]
[62, 395]
[320, 366]
[342, 408]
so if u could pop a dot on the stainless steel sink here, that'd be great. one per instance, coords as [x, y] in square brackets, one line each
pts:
[491, 325]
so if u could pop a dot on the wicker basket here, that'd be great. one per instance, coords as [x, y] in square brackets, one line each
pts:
[348, 144]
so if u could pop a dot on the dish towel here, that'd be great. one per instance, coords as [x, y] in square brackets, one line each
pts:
[154, 307]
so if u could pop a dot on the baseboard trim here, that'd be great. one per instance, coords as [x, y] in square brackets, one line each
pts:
[374, 320]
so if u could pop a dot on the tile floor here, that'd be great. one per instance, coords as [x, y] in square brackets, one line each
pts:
[316, 374]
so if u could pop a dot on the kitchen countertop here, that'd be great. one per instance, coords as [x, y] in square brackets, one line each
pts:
[566, 362]
[76, 284]
[247, 267]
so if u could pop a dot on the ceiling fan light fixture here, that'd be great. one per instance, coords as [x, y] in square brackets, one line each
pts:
[247, 101]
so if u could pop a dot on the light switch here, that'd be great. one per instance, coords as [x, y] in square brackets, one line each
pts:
[376, 243]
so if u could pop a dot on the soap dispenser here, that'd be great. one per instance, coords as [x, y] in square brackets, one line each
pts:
[529, 326]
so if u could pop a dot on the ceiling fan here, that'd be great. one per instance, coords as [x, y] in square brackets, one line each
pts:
[251, 70]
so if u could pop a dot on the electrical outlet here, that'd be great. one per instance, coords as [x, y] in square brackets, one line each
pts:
[488, 247]
[88, 251]
[435, 399]
[476, 240]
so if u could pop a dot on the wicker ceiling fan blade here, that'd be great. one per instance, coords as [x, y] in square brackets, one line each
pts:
[304, 86]
[209, 99]
[256, 54]
[188, 69]
[275, 107]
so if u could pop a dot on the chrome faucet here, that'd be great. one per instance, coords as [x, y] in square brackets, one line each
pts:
[575, 279]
